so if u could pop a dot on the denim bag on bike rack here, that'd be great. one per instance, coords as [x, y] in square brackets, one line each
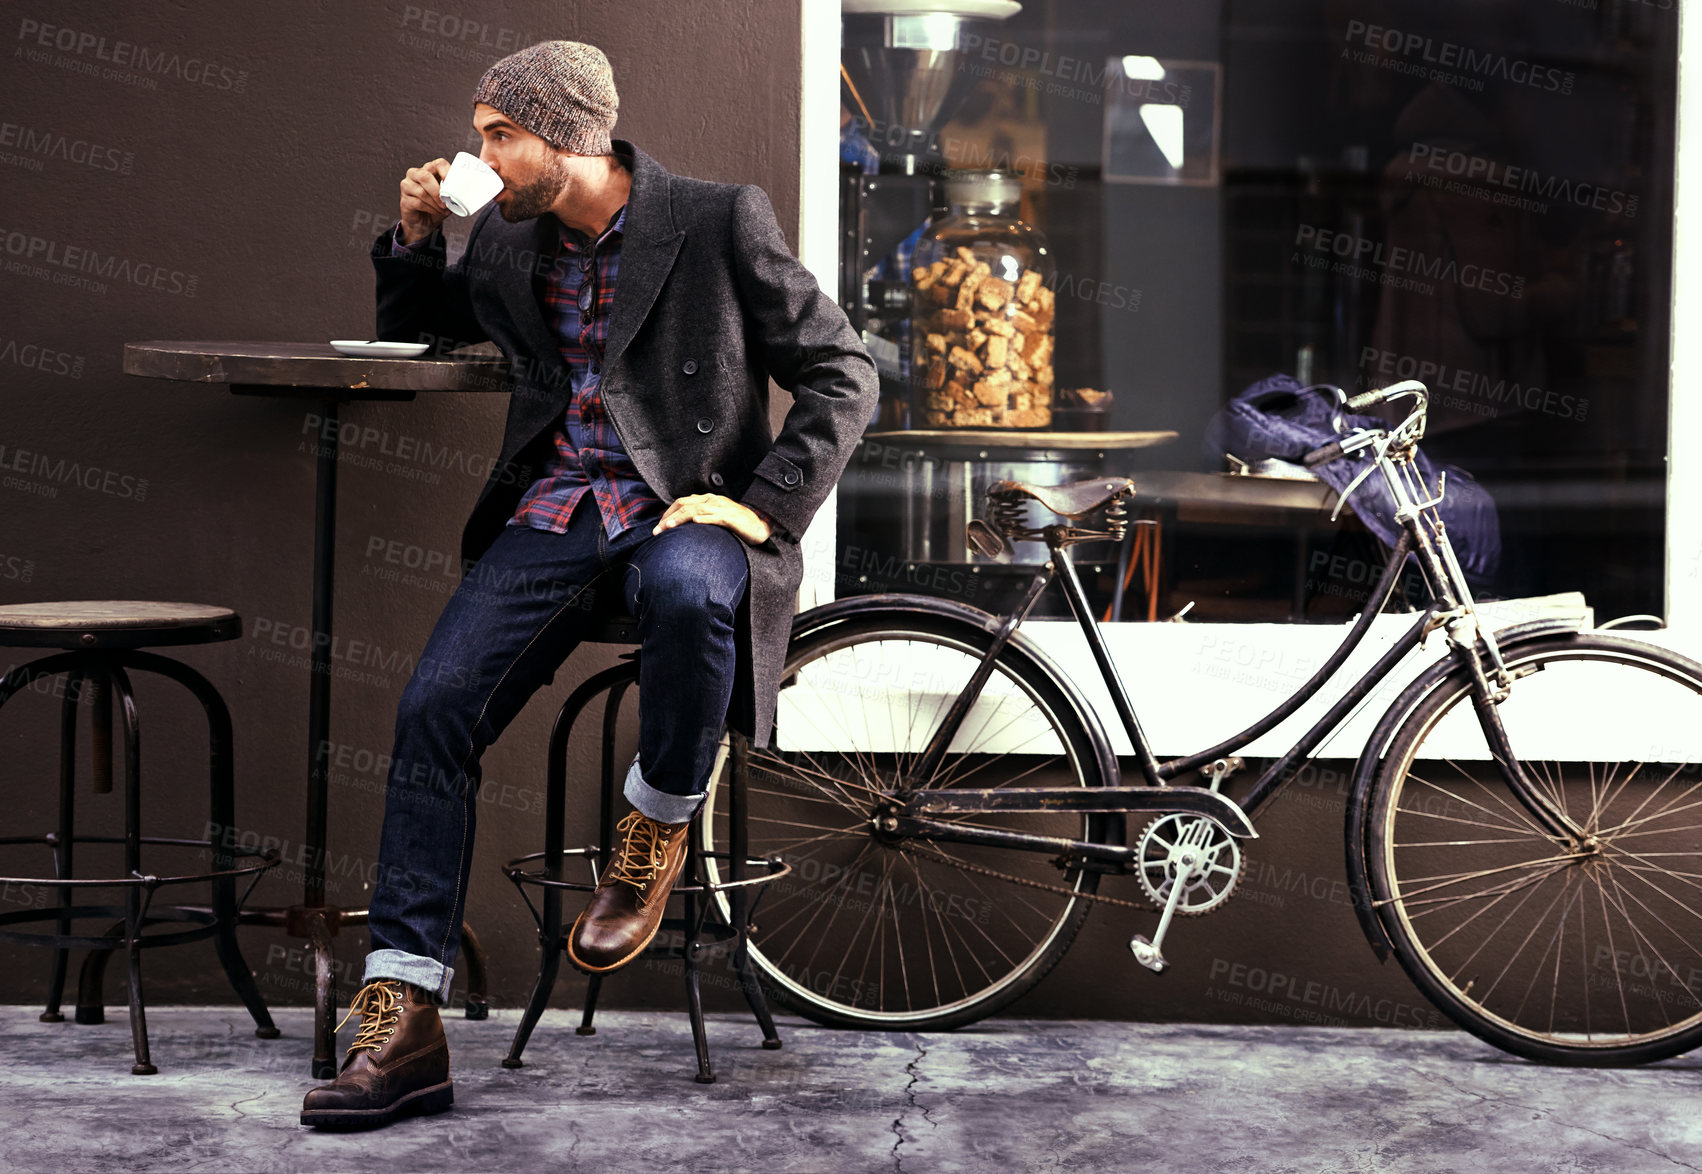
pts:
[1276, 417]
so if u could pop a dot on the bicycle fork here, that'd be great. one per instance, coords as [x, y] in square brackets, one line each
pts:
[1487, 696]
[1491, 683]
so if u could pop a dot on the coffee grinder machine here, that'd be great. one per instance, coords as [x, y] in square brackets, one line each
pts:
[903, 75]
[905, 72]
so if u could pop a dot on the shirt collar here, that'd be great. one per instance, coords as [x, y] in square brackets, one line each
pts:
[573, 240]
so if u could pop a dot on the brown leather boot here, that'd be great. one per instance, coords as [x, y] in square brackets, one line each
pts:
[626, 908]
[398, 1064]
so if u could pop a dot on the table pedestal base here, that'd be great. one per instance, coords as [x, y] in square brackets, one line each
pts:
[306, 372]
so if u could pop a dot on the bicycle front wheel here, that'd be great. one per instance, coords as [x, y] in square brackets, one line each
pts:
[880, 931]
[1573, 954]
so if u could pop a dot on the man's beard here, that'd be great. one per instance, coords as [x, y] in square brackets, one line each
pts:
[534, 199]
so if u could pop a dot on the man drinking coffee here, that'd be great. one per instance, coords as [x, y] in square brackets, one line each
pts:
[643, 314]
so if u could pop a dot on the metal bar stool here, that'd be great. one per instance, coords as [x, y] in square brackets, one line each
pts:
[702, 887]
[102, 639]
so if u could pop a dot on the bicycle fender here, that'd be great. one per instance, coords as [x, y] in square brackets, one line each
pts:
[808, 623]
[859, 607]
[1358, 816]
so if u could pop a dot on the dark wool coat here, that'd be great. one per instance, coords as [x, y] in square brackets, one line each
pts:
[709, 305]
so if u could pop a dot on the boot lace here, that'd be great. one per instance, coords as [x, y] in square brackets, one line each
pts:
[380, 1005]
[643, 852]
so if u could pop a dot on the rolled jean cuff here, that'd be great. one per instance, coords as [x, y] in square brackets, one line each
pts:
[659, 805]
[406, 967]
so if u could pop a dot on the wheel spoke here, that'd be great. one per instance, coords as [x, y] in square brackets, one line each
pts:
[1689, 878]
[1450, 879]
[942, 707]
[1455, 843]
[864, 760]
[1689, 827]
[1583, 951]
[1521, 817]
[838, 783]
[1536, 971]
[1636, 875]
[927, 934]
[877, 926]
[838, 905]
[814, 827]
[1670, 809]
[950, 777]
[989, 759]
[1475, 823]
[815, 775]
[1530, 891]
[1637, 932]
[1441, 904]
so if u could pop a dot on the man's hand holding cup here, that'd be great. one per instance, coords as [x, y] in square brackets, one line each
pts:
[430, 194]
[423, 208]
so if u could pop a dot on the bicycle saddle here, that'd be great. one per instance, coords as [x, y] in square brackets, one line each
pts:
[1073, 500]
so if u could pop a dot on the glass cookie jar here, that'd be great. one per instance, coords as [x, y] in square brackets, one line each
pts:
[981, 331]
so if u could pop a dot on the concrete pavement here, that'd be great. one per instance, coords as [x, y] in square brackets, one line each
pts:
[1006, 1095]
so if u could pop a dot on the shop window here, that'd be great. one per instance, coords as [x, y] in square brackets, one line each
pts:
[1478, 195]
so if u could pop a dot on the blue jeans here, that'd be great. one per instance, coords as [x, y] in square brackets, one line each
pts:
[512, 621]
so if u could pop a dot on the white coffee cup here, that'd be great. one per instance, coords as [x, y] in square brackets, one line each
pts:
[469, 186]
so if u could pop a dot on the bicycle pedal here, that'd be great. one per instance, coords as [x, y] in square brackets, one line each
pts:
[1147, 954]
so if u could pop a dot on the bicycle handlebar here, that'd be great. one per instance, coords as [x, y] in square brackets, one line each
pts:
[1336, 449]
[1322, 456]
[1366, 400]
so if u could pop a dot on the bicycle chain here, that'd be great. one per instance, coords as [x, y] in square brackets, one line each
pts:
[1032, 884]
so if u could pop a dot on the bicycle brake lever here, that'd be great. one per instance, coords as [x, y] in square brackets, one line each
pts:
[1341, 500]
[1441, 492]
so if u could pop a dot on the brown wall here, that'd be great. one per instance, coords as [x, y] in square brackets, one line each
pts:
[265, 188]
[267, 197]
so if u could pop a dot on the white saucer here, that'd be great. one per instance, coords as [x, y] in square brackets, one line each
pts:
[362, 349]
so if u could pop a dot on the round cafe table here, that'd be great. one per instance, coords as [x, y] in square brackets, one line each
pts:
[316, 372]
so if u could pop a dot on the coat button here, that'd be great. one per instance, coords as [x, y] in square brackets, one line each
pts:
[690, 367]
[716, 479]
[705, 424]
[790, 478]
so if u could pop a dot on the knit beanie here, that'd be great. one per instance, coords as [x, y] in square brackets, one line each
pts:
[561, 91]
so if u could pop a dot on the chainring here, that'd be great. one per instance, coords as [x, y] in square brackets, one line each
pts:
[1156, 864]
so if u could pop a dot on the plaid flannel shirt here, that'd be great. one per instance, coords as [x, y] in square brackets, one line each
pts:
[577, 296]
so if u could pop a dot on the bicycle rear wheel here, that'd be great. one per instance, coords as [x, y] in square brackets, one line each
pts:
[873, 931]
[1586, 956]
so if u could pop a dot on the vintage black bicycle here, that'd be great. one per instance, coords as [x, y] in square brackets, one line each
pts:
[1522, 833]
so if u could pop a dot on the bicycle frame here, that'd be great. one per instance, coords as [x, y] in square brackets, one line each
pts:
[1450, 608]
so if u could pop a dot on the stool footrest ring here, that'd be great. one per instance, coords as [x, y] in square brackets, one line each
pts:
[516, 871]
[205, 921]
